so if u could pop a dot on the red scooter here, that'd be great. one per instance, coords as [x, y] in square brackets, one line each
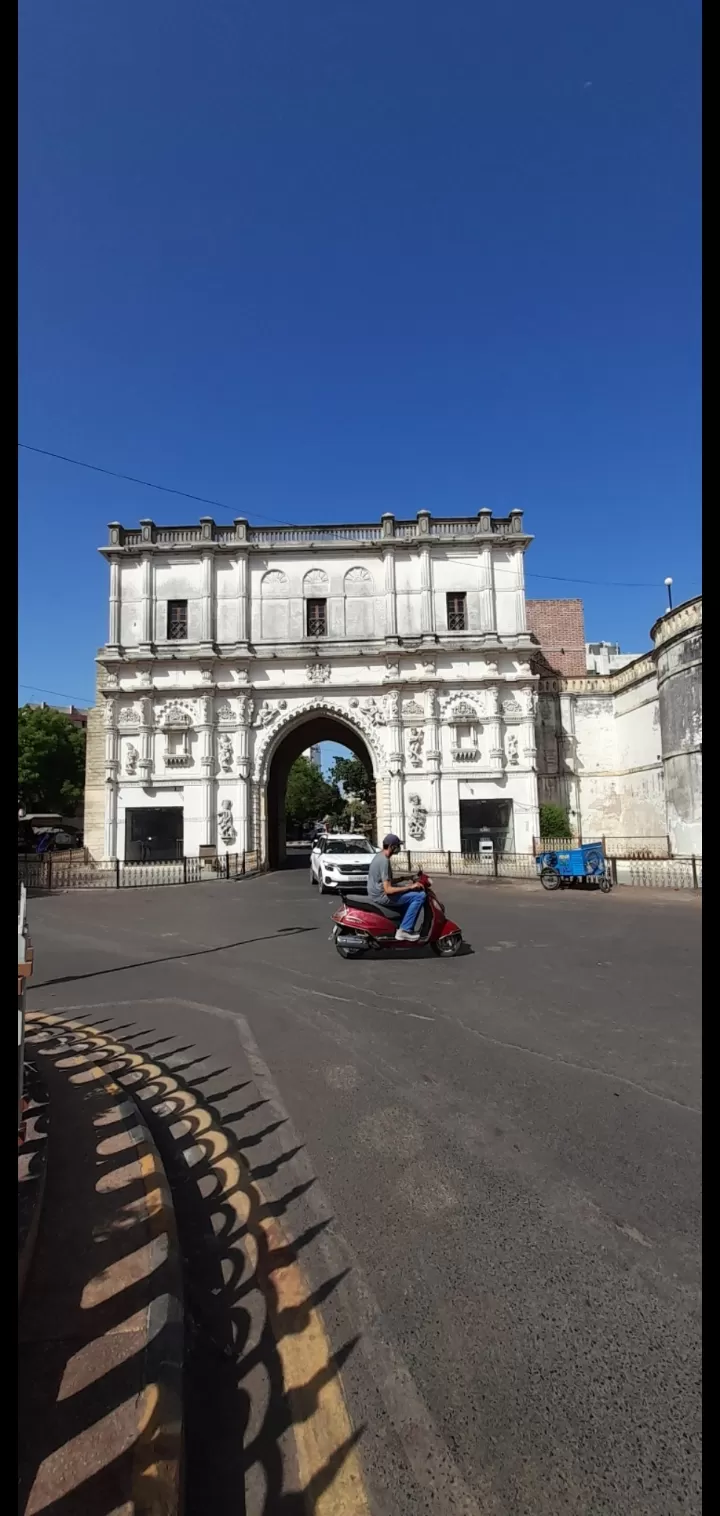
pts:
[361, 925]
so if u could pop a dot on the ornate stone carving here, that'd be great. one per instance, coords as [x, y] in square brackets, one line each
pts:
[129, 716]
[490, 670]
[146, 679]
[359, 579]
[412, 708]
[243, 709]
[320, 704]
[513, 750]
[318, 673]
[111, 680]
[175, 715]
[392, 706]
[459, 710]
[429, 667]
[206, 676]
[110, 712]
[316, 582]
[415, 746]
[226, 825]
[274, 582]
[132, 759]
[269, 713]
[373, 711]
[392, 669]
[226, 752]
[418, 818]
[511, 707]
[225, 712]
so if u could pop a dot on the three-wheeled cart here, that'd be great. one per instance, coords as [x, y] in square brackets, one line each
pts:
[578, 866]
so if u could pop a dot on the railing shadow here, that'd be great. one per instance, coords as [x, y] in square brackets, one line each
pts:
[243, 1421]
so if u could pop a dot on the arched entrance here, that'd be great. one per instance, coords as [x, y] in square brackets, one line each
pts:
[310, 728]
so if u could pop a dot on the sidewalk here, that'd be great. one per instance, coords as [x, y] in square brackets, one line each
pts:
[100, 1329]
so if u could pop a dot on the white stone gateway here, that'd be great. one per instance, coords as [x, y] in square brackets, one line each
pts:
[232, 649]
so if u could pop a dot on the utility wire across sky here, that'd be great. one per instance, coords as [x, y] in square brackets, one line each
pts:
[166, 489]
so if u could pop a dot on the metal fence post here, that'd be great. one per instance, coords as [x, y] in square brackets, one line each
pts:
[495, 863]
[227, 865]
[242, 866]
[694, 872]
[449, 863]
[49, 871]
[117, 873]
[184, 869]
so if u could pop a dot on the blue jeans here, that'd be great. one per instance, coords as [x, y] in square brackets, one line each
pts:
[411, 903]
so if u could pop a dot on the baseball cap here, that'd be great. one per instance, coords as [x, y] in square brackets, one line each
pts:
[391, 840]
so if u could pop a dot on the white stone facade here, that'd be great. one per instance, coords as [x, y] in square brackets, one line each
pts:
[622, 752]
[193, 723]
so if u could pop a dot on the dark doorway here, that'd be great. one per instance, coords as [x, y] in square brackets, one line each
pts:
[154, 835]
[318, 728]
[486, 818]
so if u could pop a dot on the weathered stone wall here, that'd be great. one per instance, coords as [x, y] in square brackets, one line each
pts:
[94, 828]
[678, 642]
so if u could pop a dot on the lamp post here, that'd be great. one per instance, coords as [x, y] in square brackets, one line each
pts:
[668, 586]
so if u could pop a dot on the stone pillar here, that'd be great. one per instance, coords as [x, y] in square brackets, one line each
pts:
[146, 610]
[427, 618]
[207, 765]
[111, 779]
[114, 630]
[145, 762]
[519, 620]
[243, 598]
[397, 763]
[207, 629]
[390, 596]
[488, 612]
[433, 762]
[494, 753]
[244, 818]
[526, 731]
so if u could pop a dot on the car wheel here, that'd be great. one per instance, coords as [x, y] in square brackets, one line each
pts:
[313, 880]
[550, 879]
[322, 886]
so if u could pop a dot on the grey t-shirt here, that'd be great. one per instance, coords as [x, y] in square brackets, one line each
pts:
[378, 872]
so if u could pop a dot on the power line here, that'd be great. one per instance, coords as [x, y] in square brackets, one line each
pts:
[61, 694]
[147, 483]
[619, 584]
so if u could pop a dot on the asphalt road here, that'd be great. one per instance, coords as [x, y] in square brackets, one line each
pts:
[491, 1165]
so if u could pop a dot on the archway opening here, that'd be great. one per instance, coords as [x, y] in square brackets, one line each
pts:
[307, 734]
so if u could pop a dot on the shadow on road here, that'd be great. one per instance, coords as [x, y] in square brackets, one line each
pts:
[222, 947]
[247, 1303]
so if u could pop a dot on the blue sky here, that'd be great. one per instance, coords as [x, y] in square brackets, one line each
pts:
[322, 261]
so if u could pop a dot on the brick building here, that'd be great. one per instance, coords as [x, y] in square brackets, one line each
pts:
[559, 628]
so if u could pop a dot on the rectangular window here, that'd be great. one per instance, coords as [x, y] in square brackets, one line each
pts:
[457, 613]
[317, 618]
[177, 620]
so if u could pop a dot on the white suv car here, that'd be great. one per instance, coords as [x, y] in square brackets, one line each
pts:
[340, 862]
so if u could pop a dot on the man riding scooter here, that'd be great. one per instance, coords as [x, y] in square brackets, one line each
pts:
[407, 900]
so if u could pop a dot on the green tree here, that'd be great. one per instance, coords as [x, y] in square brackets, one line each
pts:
[51, 761]
[357, 781]
[308, 796]
[358, 789]
[554, 821]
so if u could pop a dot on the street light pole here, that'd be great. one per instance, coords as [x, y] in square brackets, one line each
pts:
[668, 586]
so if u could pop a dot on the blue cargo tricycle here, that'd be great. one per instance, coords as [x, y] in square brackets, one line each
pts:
[575, 866]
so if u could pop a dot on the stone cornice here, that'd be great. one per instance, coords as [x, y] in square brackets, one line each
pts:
[677, 622]
[483, 529]
[600, 684]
